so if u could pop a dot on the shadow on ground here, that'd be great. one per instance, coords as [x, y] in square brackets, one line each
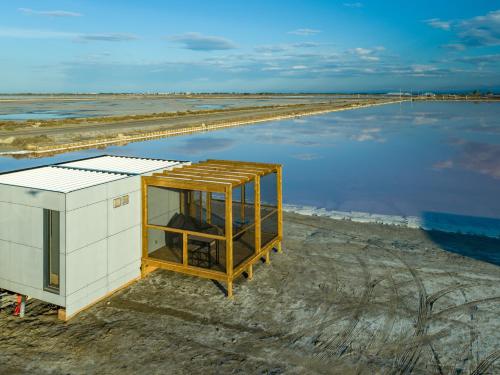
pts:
[470, 236]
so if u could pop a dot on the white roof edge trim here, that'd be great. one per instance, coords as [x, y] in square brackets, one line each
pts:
[63, 180]
[121, 164]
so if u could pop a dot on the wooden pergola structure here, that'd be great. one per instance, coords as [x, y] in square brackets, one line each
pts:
[218, 209]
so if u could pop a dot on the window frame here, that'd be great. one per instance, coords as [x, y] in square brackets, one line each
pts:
[48, 251]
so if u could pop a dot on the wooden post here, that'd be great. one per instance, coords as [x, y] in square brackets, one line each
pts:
[242, 213]
[279, 186]
[201, 206]
[250, 272]
[268, 258]
[144, 202]
[61, 314]
[182, 203]
[209, 207]
[185, 249]
[192, 208]
[229, 240]
[257, 214]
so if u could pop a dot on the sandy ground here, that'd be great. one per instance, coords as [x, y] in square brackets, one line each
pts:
[342, 298]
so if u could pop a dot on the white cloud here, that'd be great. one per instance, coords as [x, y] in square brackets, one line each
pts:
[108, 37]
[367, 54]
[474, 32]
[199, 42]
[438, 24]
[454, 46]
[362, 51]
[50, 13]
[481, 30]
[277, 48]
[305, 32]
[370, 58]
[50, 34]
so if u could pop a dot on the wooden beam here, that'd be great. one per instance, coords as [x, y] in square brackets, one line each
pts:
[226, 166]
[236, 167]
[192, 209]
[250, 226]
[267, 166]
[190, 232]
[209, 168]
[210, 173]
[183, 184]
[209, 207]
[189, 270]
[257, 215]
[249, 163]
[182, 202]
[230, 288]
[197, 179]
[279, 186]
[201, 205]
[242, 267]
[207, 176]
[242, 211]
[184, 249]
[229, 232]
[144, 203]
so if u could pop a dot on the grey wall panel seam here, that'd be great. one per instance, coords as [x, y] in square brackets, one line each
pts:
[22, 244]
[25, 205]
[86, 286]
[87, 245]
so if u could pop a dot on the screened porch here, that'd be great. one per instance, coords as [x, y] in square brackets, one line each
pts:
[212, 219]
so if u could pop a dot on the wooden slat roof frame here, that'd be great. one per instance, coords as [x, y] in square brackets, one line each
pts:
[213, 175]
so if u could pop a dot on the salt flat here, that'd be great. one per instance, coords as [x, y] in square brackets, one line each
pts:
[342, 298]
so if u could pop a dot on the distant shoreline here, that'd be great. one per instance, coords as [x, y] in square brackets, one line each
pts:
[34, 150]
[32, 139]
[486, 227]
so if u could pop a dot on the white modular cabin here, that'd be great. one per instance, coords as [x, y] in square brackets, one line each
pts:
[70, 233]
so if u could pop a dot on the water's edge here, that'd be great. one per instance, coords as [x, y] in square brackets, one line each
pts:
[433, 221]
[39, 151]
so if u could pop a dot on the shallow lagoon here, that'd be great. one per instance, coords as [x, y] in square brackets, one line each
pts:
[42, 108]
[405, 159]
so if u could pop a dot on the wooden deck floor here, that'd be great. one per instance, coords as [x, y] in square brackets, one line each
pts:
[243, 248]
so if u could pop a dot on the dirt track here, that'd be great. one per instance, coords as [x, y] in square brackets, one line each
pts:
[343, 298]
[15, 136]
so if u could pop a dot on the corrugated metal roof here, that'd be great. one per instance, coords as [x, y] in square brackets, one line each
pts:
[121, 164]
[62, 180]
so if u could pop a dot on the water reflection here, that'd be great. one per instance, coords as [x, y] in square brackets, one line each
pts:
[397, 159]
[39, 115]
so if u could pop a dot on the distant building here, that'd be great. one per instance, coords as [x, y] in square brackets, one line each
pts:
[398, 94]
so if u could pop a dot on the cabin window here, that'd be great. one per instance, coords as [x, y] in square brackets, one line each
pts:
[51, 250]
[117, 202]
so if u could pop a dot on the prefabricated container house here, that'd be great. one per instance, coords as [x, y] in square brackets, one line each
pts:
[71, 233]
[74, 232]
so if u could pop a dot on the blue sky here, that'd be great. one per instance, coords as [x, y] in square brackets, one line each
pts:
[249, 46]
